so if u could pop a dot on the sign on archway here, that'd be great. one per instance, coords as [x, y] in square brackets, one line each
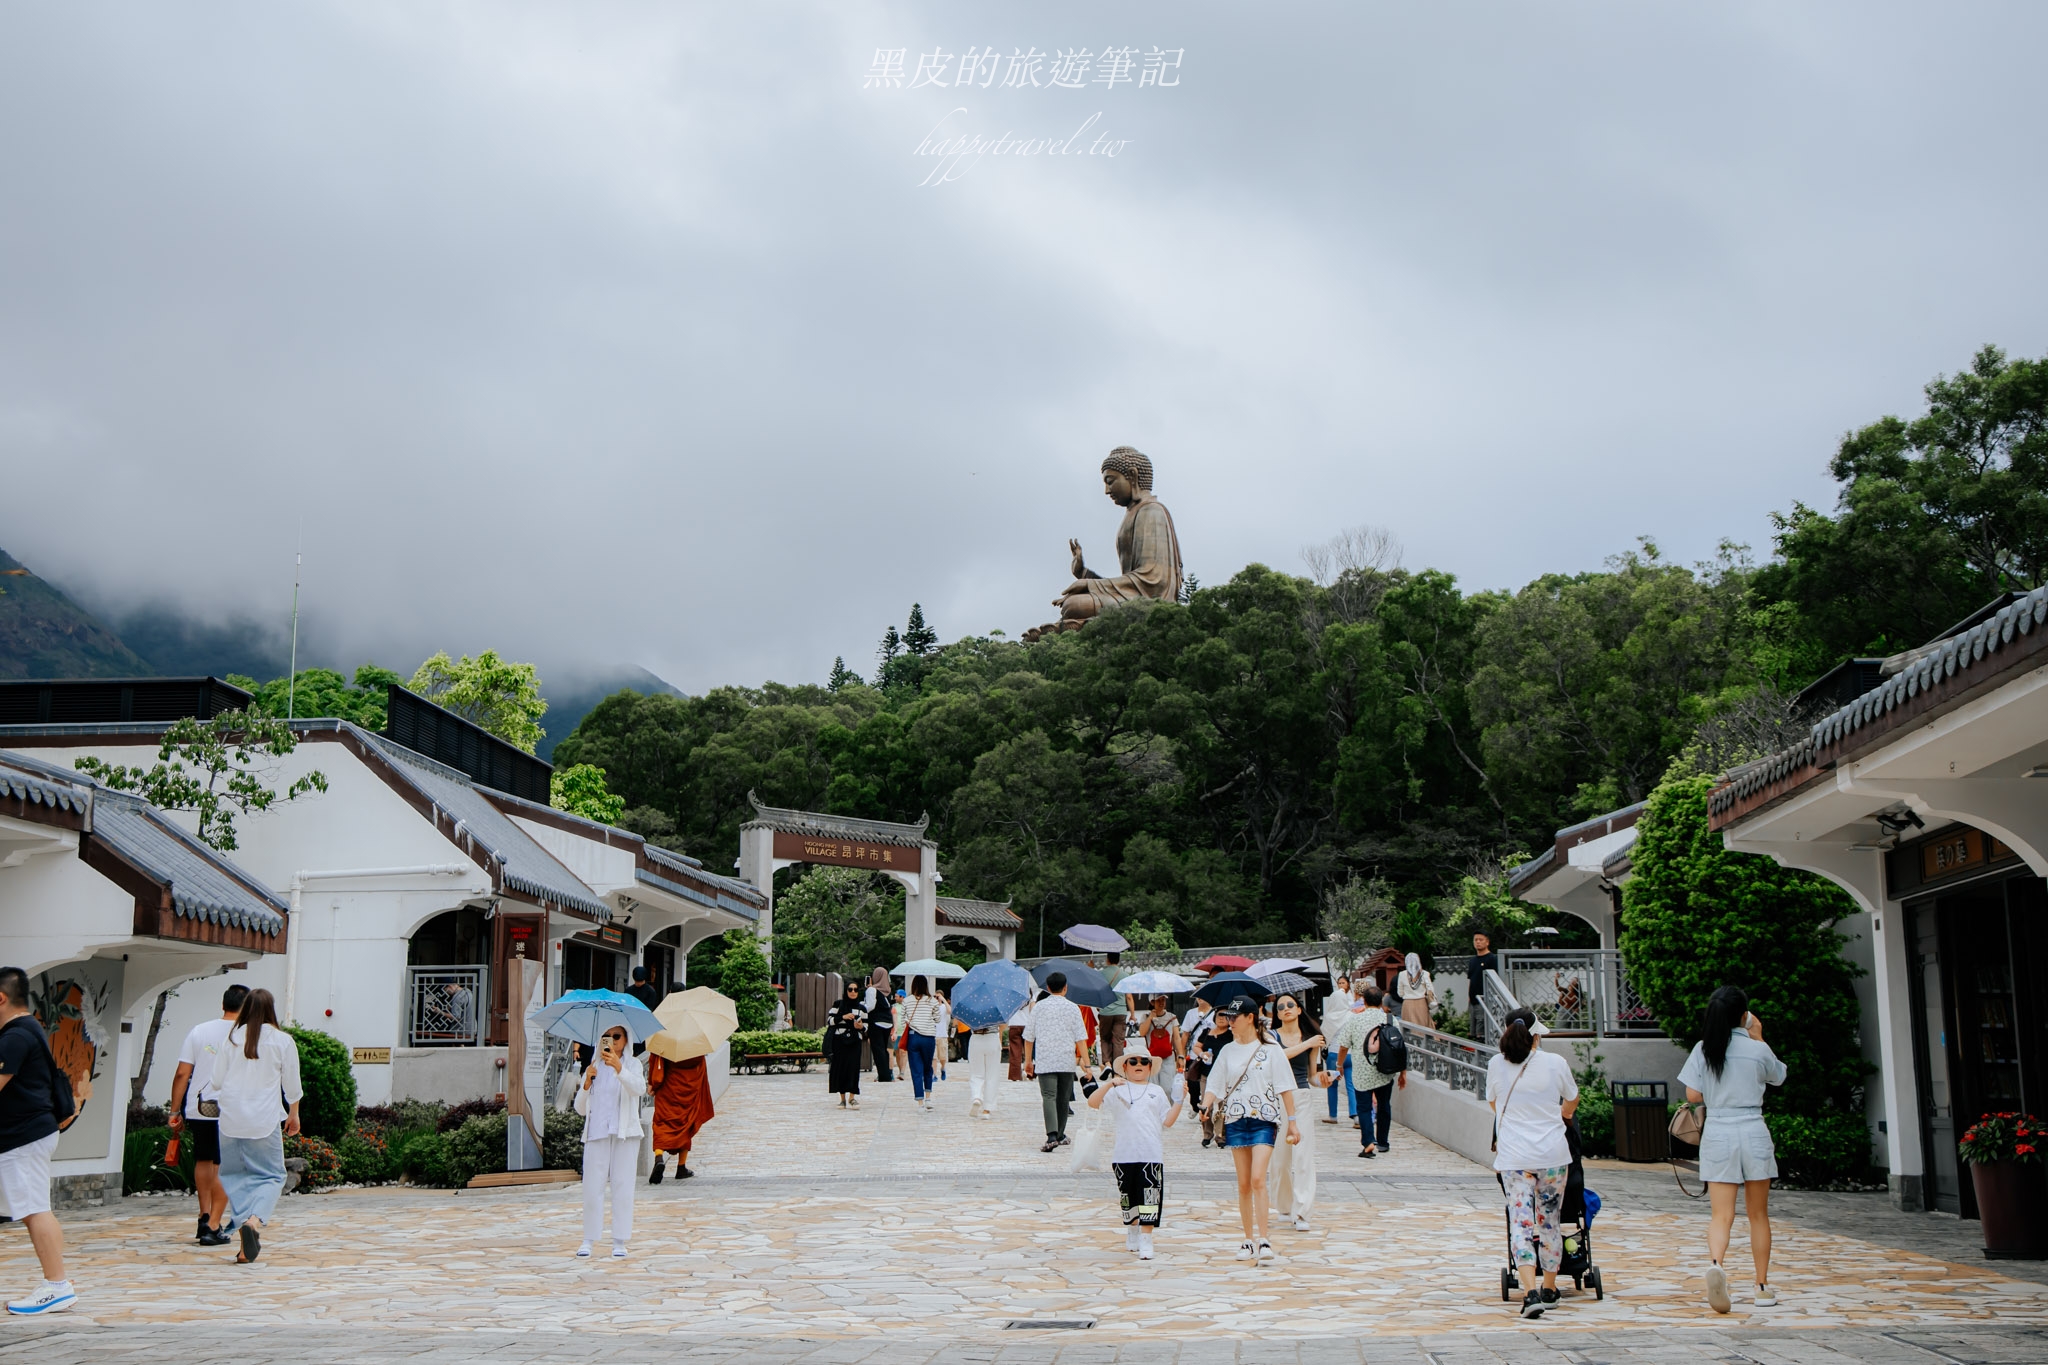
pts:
[776, 838]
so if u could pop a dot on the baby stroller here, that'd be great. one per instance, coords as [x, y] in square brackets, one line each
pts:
[1575, 1220]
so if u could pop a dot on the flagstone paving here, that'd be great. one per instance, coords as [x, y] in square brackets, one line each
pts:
[892, 1225]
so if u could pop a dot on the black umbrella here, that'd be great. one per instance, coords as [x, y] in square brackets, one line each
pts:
[1225, 987]
[1085, 985]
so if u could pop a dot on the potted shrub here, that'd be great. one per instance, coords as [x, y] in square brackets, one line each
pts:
[2004, 1156]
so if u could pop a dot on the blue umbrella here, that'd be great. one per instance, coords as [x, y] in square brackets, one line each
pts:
[1085, 985]
[1225, 987]
[586, 1016]
[991, 993]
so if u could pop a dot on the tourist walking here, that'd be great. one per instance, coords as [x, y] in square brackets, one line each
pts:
[880, 1004]
[1013, 1033]
[256, 1075]
[1336, 1009]
[609, 1100]
[1293, 1174]
[1531, 1093]
[984, 1070]
[1252, 1087]
[924, 1024]
[1417, 990]
[195, 1114]
[1357, 1043]
[1729, 1067]
[846, 1028]
[682, 1106]
[1142, 1112]
[1203, 1046]
[1055, 1050]
[32, 1113]
[1195, 1055]
[1159, 1035]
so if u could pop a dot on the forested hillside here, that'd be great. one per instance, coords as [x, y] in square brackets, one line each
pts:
[1238, 767]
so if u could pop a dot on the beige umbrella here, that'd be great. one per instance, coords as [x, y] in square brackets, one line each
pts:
[694, 1023]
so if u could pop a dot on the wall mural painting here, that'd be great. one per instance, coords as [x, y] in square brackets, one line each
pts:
[78, 1005]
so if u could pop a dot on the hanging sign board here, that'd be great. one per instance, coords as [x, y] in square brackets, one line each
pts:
[818, 848]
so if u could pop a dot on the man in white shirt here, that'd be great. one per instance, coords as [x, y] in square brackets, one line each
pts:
[1055, 1050]
[187, 1094]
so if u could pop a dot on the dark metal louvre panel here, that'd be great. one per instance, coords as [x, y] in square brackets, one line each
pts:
[112, 701]
[445, 737]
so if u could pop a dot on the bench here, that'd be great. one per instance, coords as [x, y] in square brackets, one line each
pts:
[770, 1060]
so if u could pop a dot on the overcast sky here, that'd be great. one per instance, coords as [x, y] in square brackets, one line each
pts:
[627, 332]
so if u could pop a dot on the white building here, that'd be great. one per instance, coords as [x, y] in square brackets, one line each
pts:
[430, 863]
[1924, 798]
[104, 901]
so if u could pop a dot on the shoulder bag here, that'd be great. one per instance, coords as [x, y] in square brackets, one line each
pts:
[1501, 1112]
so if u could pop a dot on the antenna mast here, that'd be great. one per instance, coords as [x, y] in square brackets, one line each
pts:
[291, 687]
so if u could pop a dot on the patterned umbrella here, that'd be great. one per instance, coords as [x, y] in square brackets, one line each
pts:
[1289, 983]
[991, 993]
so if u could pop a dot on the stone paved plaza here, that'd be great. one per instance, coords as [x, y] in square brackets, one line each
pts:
[891, 1234]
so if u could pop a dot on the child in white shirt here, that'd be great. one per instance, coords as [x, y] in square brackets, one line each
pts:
[1142, 1113]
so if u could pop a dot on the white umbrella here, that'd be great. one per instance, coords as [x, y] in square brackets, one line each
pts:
[928, 966]
[1271, 965]
[1152, 983]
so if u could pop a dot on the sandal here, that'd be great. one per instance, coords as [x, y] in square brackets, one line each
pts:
[252, 1245]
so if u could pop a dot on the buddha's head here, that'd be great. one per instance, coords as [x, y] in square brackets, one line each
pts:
[1125, 474]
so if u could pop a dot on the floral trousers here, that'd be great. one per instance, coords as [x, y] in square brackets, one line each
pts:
[1535, 1201]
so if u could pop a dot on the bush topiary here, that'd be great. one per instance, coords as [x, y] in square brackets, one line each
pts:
[743, 978]
[329, 1108]
[423, 1158]
[759, 1041]
[476, 1148]
[456, 1115]
[561, 1141]
[1696, 916]
[365, 1157]
[1820, 1150]
[323, 1163]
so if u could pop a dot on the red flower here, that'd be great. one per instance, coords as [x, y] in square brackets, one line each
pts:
[2025, 1149]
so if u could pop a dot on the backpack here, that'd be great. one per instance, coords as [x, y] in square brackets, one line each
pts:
[1390, 1058]
[63, 1103]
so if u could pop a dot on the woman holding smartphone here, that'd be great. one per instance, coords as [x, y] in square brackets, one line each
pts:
[1728, 1070]
[609, 1100]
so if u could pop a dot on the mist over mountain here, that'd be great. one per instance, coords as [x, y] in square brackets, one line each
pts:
[44, 634]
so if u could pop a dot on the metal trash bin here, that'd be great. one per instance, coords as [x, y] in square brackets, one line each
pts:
[1642, 1120]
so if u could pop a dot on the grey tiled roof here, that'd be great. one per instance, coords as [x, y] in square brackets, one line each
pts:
[1980, 647]
[742, 898]
[1529, 873]
[713, 898]
[204, 884]
[37, 791]
[838, 826]
[524, 867]
[967, 914]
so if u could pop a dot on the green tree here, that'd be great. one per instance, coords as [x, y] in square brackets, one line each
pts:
[838, 919]
[743, 979]
[501, 696]
[213, 768]
[1696, 917]
[580, 790]
[919, 638]
[1934, 517]
[324, 692]
[842, 676]
[328, 1109]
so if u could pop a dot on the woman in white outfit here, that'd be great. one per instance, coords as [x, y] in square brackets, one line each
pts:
[1729, 1067]
[984, 1070]
[256, 1077]
[1293, 1174]
[609, 1100]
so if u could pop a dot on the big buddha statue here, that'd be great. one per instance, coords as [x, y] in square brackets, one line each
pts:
[1147, 550]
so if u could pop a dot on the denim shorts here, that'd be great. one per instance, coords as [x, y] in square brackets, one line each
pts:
[1249, 1133]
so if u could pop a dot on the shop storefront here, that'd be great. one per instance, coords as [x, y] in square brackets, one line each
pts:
[599, 959]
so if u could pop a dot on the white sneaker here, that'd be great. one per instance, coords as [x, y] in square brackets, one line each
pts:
[584, 1251]
[1265, 1250]
[618, 1252]
[1766, 1297]
[1717, 1289]
[988, 1113]
[1131, 1238]
[50, 1298]
[1244, 1251]
[1144, 1246]
[1301, 1222]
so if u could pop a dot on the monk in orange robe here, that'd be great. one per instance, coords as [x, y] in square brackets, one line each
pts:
[682, 1105]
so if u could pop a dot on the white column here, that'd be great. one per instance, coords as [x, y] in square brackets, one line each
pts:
[921, 909]
[757, 869]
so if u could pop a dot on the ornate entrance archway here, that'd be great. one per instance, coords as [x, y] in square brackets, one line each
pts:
[777, 838]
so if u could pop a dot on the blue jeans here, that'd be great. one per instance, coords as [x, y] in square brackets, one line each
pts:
[1249, 1133]
[1350, 1095]
[252, 1171]
[921, 1047]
